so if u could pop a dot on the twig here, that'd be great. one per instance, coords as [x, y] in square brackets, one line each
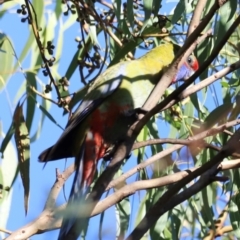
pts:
[158, 210]
[41, 94]
[105, 4]
[5, 230]
[47, 219]
[170, 199]
[164, 153]
[130, 189]
[218, 226]
[56, 188]
[117, 40]
[35, 28]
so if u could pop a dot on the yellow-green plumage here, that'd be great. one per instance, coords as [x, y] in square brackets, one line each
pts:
[138, 76]
[126, 84]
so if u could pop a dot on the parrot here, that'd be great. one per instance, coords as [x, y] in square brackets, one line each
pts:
[109, 107]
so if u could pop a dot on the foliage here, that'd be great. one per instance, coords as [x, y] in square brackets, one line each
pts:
[203, 118]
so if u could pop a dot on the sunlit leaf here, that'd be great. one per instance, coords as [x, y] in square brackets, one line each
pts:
[7, 138]
[9, 170]
[6, 57]
[31, 80]
[23, 149]
[130, 12]
[147, 6]
[46, 106]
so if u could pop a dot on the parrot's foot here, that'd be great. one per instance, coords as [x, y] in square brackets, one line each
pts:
[140, 111]
[108, 155]
[110, 152]
[135, 112]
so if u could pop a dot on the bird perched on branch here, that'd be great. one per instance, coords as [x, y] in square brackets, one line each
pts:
[105, 113]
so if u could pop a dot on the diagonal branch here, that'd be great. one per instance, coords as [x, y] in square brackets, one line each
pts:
[196, 16]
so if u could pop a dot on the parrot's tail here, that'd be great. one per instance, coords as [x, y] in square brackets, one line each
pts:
[70, 228]
[46, 155]
[55, 152]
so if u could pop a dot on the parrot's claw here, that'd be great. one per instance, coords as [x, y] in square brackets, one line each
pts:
[109, 154]
[140, 111]
[135, 112]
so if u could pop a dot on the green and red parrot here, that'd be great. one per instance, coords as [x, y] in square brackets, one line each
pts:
[105, 113]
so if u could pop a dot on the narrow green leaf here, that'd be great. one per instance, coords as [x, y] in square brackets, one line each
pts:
[27, 47]
[39, 9]
[46, 105]
[153, 134]
[117, 8]
[224, 22]
[58, 9]
[123, 210]
[59, 43]
[6, 5]
[160, 225]
[235, 215]
[148, 24]
[147, 7]
[7, 138]
[178, 12]
[9, 170]
[218, 115]
[141, 209]
[31, 80]
[156, 7]
[77, 97]
[93, 32]
[130, 13]
[195, 102]
[123, 25]
[4, 1]
[78, 55]
[46, 112]
[130, 46]
[206, 198]
[177, 215]
[6, 57]
[23, 148]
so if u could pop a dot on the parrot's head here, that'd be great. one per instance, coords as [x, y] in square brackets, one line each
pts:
[187, 69]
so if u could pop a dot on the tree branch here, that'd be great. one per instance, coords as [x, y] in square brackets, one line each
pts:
[195, 20]
[170, 199]
[158, 156]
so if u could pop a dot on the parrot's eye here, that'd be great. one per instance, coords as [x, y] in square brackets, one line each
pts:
[189, 60]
